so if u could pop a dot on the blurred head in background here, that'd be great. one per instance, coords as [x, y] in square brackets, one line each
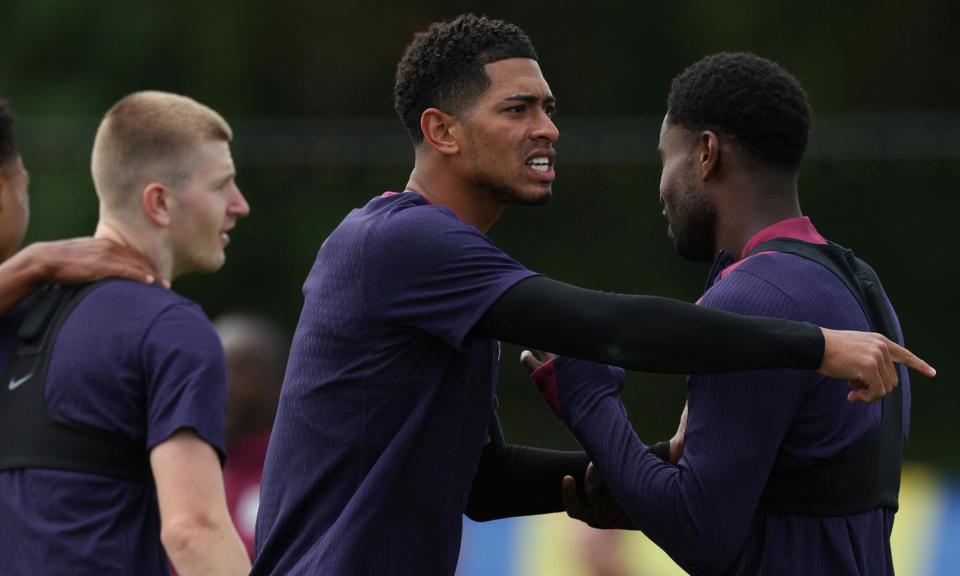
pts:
[256, 352]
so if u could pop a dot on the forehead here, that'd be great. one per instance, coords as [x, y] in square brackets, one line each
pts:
[515, 76]
[671, 134]
[213, 155]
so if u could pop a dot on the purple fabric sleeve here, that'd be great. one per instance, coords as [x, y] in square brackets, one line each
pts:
[187, 375]
[426, 269]
[699, 511]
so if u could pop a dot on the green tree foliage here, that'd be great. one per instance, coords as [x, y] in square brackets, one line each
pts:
[308, 88]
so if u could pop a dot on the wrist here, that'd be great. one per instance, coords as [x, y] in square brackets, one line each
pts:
[676, 449]
[584, 386]
[30, 266]
[820, 347]
[662, 450]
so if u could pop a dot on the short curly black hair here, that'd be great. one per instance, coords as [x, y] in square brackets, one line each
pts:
[8, 146]
[443, 66]
[750, 99]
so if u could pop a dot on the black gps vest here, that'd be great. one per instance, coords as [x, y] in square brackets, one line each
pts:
[34, 436]
[865, 476]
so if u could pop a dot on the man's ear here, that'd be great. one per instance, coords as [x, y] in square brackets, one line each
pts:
[708, 154]
[440, 131]
[155, 199]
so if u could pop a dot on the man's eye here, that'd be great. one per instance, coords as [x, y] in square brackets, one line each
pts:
[550, 110]
[518, 109]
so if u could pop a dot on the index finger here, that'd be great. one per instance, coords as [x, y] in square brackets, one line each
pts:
[900, 354]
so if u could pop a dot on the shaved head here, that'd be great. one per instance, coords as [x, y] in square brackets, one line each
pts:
[150, 137]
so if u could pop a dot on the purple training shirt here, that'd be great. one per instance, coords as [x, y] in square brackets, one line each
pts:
[740, 427]
[387, 398]
[135, 360]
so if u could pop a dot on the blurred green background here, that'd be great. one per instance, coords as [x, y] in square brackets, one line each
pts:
[308, 90]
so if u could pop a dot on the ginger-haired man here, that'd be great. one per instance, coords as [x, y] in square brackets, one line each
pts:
[135, 367]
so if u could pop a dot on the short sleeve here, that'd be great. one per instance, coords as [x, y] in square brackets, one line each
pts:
[186, 376]
[426, 269]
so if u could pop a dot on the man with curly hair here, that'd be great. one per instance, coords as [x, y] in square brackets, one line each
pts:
[778, 475]
[378, 447]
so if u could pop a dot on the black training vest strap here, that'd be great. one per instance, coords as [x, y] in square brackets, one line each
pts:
[866, 476]
[34, 436]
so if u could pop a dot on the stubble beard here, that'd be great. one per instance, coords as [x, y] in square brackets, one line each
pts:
[693, 222]
[502, 187]
[510, 193]
[511, 196]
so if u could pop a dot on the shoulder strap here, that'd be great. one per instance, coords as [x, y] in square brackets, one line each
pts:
[34, 436]
[866, 476]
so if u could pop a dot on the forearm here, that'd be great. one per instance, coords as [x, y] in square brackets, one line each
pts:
[521, 481]
[698, 512]
[19, 276]
[664, 501]
[646, 333]
[208, 548]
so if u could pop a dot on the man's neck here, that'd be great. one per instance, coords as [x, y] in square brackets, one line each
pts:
[109, 229]
[753, 206]
[442, 186]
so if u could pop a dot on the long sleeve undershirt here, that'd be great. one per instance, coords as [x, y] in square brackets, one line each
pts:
[646, 333]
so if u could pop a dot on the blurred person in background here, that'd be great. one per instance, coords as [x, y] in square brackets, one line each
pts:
[72, 261]
[390, 388]
[112, 439]
[777, 475]
[256, 351]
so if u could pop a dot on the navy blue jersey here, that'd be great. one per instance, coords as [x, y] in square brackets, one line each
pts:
[137, 361]
[387, 396]
[740, 427]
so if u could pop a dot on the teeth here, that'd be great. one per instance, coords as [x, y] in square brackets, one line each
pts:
[540, 164]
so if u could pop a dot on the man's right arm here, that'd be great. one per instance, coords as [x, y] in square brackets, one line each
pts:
[73, 261]
[653, 334]
[195, 526]
[516, 480]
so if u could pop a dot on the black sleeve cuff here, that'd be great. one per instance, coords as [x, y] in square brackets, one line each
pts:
[661, 450]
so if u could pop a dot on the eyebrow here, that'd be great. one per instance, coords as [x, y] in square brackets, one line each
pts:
[226, 178]
[530, 99]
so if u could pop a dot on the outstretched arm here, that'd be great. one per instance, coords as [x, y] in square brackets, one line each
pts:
[73, 261]
[653, 334]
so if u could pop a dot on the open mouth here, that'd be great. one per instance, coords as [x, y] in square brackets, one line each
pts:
[539, 163]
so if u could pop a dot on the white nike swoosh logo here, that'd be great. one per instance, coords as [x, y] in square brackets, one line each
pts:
[15, 383]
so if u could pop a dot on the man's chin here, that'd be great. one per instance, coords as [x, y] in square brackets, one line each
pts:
[206, 265]
[537, 198]
[529, 196]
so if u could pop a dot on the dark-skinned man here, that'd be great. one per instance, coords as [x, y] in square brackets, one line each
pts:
[778, 475]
